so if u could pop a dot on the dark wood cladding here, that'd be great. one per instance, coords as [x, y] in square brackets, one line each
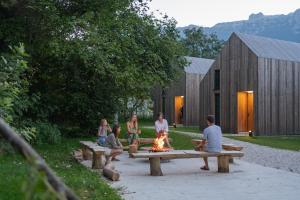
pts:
[275, 84]
[188, 86]
[278, 97]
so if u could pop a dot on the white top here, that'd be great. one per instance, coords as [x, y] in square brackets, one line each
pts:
[161, 126]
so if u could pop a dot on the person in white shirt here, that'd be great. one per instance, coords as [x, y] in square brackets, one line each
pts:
[162, 127]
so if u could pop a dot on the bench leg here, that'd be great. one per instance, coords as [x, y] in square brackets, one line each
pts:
[97, 160]
[86, 154]
[223, 164]
[155, 169]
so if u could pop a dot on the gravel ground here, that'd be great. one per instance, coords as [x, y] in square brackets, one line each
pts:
[265, 156]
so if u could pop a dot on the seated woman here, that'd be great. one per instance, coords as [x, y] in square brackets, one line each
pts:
[162, 127]
[113, 143]
[133, 131]
[102, 132]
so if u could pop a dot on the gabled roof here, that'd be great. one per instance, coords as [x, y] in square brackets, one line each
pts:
[271, 48]
[197, 65]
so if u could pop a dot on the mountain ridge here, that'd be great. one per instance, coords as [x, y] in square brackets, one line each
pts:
[283, 27]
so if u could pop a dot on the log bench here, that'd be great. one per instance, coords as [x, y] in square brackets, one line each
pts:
[154, 158]
[226, 147]
[142, 141]
[97, 156]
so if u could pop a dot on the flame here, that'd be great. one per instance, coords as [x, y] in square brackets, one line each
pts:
[158, 143]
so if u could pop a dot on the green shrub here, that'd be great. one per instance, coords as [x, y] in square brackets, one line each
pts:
[47, 133]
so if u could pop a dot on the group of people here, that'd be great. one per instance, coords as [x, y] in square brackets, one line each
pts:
[109, 138]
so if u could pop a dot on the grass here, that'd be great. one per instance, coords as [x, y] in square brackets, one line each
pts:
[86, 184]
[179, 141]
[192, 129]
[279, 142]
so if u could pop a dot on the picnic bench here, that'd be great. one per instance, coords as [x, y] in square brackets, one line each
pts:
[155, 157]
[97, 153]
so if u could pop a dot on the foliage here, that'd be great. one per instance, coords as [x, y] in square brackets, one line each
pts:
[13, 88]
[198, 44]
[89, 57]
[47, 133]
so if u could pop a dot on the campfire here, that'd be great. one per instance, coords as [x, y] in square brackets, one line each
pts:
[158, 144]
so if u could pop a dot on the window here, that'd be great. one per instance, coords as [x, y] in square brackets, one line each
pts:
[217, 109]
[217, 79]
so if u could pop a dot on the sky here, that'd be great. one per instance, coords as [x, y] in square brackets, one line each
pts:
[211, 12]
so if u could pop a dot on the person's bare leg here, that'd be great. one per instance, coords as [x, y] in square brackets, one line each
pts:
[115, 153]
[167, 142]
[205, 167]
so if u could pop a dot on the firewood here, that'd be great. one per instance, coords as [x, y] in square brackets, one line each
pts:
[110, 172]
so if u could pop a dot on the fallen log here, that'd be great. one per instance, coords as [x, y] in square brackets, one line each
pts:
[110, 172]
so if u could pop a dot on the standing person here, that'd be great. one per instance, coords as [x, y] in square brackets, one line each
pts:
[162, 127]
[102, 131]
[113, 143]
[133, 130]
[212, 139]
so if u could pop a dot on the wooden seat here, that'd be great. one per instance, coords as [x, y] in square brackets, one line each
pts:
[155, 168]
[97, 153]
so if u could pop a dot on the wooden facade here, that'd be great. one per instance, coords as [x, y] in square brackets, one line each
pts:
[187, 88]
[259, 83]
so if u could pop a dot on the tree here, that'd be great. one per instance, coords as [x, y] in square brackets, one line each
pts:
[87, 57]
[198, 44]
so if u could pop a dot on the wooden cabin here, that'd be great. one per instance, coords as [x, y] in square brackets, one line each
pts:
[180, 101]
[253, 85]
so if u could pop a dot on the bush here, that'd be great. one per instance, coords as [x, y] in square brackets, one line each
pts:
[47, 133]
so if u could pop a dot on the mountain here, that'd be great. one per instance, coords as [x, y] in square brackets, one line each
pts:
[284, 27]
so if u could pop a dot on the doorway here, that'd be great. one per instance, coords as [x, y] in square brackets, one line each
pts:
[245, 109]
[179, 106]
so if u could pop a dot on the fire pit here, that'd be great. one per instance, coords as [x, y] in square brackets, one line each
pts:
[158, 144]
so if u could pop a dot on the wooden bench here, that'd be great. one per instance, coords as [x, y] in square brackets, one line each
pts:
[155, 168]
[226, 147]
[97, 153]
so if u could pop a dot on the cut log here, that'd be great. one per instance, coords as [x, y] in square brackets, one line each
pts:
[155, 169]
[110, 172]
[231, 147]
[86, 153]
[223, 164]
[132, 149]
[97, 160]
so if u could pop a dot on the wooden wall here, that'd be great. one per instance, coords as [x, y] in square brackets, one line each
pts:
[278, 97]
[188, 86]
[238, 72]
[177, 88]
[191, 116]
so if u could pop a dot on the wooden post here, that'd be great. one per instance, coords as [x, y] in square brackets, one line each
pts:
[132, 149]
[223, 164]
[97, 160]
[155, 169]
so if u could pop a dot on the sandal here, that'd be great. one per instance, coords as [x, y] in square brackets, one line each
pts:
[204, 168]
